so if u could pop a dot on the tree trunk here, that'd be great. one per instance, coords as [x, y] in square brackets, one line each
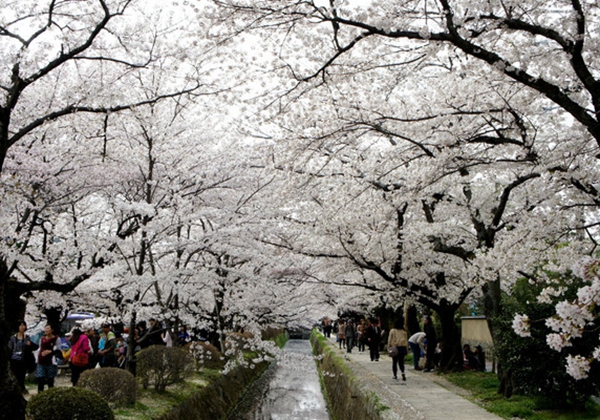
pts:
[53, 318]
[451, 358]
[129, 358]
[492, 294]
[12, 403]
[220, 322]
[507, 385]
[412, 320]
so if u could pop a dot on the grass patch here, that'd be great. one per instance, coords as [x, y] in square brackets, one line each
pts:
[483, 387]
[377, 402]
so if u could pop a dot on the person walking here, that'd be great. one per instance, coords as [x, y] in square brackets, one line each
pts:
[327, 327]
[79, 358]
[21, 354]
[417, 346]
[47, 363]
[361, 330]
[373, 336]
[429, 331]
[349, 331]
[397, 339]
[341, 335]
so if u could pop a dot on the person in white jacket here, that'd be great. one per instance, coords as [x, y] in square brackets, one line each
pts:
[417, 346]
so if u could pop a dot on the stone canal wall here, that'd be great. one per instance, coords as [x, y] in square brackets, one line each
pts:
[347, 398]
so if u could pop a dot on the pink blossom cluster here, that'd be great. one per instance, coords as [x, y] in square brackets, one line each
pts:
[521, 325]
[557, 341]
[572, 318]
[578, 366]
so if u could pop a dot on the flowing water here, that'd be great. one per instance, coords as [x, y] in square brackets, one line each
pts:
[289, 390]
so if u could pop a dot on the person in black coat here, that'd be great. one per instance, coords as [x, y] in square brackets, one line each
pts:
[373, 338]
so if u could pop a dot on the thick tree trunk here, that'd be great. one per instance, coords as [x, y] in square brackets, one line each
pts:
[451, 358]
[12, 403]
[53, 318]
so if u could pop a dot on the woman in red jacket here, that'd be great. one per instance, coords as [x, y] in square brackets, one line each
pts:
[80, 354]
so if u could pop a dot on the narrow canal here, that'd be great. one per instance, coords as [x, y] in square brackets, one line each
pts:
[289, 390]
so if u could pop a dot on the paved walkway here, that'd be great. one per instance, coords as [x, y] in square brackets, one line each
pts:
[419, 398]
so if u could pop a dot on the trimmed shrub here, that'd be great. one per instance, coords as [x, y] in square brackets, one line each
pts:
[206, 355]
[115, 385]
[161, 366]
[68, 403]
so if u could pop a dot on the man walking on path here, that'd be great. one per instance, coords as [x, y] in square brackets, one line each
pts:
[350, 332]
[373, 335]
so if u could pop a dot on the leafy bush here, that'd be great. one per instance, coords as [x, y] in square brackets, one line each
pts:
[113, 384]
[68, 403]
[206, 355]
[163, 366]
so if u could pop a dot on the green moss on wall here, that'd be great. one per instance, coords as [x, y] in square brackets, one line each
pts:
[346, 398]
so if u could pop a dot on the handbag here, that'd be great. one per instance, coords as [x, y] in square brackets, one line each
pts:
[392, 351]
[80, 360]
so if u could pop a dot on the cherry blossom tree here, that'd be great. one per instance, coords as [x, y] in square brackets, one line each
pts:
[538, 58]
[62, 64]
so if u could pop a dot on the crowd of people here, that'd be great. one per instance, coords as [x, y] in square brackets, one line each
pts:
[88, 348]
[424, 345]
[85, 348]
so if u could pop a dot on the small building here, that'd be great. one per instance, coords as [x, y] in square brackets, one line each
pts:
[474, 331]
